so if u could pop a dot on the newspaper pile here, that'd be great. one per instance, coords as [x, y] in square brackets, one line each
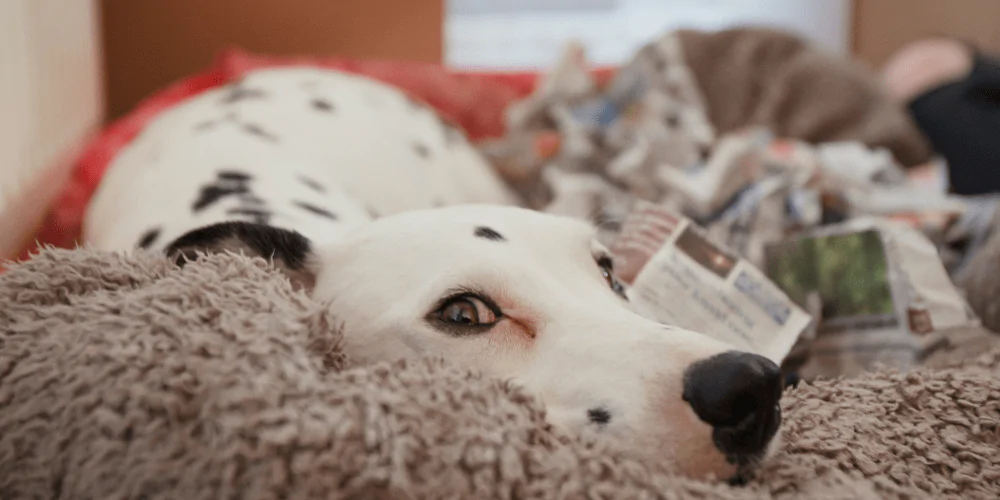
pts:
[640, 152]
[604, 142]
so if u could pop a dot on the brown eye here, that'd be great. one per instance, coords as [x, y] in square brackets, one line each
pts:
[467, 310]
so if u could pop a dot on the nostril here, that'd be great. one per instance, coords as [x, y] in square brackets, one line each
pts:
[600, 416]
[729, 388]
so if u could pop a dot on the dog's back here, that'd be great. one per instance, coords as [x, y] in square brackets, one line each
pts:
[313, 150]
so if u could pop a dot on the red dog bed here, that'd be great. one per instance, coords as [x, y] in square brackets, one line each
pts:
[474, 101]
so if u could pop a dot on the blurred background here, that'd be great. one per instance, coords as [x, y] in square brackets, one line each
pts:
[69, 66]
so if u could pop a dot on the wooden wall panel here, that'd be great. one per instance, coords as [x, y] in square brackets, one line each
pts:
[150, 43]
[50, 105]
[883, 26]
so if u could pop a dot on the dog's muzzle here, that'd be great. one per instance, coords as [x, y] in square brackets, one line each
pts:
[737, 393]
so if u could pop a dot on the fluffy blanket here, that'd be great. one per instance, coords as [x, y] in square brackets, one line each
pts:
[126, 377]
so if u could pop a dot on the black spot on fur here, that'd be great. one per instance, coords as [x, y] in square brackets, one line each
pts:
[256, 215]
[315, 186]
[234, 175]
[240, 93]
[148, 238]
[211, 194]
[372, 212]
[489, 234]
[227, 183]
[322, 212]
[252, 129]
[705, 153]
[289, 247]
[421, 149]
[673, 121]
[600, 416]
[323, 105]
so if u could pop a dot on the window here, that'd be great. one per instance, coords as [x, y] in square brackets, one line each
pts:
[529, 34]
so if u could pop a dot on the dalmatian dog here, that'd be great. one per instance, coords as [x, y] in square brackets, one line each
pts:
[265, 168]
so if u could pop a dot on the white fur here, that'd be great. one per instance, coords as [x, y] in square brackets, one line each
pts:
[564, 334]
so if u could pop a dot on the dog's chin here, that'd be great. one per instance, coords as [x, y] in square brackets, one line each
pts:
[693, 455]
[690, 454]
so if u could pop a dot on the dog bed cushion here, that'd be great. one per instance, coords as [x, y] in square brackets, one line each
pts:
[128, 377]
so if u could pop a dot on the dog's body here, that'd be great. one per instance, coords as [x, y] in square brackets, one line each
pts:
[294, 165]
[316, 151]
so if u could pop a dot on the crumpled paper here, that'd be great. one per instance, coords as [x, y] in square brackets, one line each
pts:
[585, 150]
[884, 296]
[648, 118]
[677, 276]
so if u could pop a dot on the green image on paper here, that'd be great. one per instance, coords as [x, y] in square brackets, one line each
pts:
[849, 272]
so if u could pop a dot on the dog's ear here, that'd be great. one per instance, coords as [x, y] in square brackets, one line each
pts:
[290, 251]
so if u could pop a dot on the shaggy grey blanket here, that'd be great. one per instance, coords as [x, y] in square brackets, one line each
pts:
[126, 377]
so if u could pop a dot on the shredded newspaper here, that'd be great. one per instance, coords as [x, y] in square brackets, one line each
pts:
[627, 153]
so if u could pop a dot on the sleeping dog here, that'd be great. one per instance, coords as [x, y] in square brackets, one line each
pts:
[335, 178]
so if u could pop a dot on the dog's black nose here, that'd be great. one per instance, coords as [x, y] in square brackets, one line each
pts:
[737, 393]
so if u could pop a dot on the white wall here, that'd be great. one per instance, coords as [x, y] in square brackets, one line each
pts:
[531, 37]
[50, 99]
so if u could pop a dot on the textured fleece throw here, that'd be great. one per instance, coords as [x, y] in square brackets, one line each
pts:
[126, 377]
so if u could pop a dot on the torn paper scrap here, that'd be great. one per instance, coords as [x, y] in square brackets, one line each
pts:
[678, 277]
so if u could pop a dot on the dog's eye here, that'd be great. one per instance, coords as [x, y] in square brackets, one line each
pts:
[608, 271]
[467, 310]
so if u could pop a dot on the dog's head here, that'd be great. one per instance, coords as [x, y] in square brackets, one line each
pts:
[532, 298]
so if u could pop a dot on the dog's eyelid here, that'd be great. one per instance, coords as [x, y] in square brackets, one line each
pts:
[463, 292]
